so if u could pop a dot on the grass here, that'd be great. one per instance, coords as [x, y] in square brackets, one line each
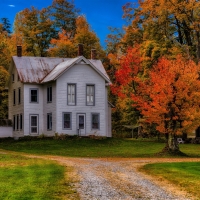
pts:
[186, 175]
[28, 178]
[86, 147]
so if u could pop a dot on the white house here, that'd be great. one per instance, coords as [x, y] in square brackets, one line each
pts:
[58, 95]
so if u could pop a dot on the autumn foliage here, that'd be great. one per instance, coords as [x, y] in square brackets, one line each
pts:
[167, 96]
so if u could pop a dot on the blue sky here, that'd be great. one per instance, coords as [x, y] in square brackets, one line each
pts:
[100, 14]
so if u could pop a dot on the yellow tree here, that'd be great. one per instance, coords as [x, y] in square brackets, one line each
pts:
[35, 29]
[63, 46]
[4, 75]
[176, 21]
[66, 46]
[87, 37]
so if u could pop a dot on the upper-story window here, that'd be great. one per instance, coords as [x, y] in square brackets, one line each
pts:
[19, 95]
[13, 77]
[90, 91]
[49, 94]
[34, 95]
[14, 96]
[71, 94]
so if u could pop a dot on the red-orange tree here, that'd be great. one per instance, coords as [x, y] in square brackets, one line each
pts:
[128, 67]
[170, 97]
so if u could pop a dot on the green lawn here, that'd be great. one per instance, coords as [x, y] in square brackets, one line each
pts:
[86, 147]
[184, 174]
[26, 178]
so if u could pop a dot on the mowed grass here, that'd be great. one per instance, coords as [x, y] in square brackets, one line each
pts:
[86, 147]
[24, 178]
[186, 175]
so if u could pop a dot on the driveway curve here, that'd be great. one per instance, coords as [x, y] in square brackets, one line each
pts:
[119, 179]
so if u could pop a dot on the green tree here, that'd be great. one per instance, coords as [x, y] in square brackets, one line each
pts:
[6, 25]
[64, 15]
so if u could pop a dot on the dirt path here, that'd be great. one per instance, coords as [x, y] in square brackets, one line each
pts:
[115, 179]
[119, 179]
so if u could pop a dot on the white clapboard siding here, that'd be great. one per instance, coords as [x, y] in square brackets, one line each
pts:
[81, 74]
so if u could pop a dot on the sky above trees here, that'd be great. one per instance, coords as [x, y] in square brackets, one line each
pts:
[100, 14]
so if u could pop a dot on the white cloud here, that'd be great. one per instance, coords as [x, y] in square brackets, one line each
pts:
[11, 6]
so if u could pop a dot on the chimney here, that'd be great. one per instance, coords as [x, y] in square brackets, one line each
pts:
[80, 49]
[19, 51]
[93, 54]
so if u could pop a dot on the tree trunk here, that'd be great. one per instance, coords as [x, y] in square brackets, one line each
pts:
[198, 45]
[172, 143]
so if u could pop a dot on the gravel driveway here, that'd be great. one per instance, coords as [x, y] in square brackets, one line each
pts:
[118, 178]
[115, 179]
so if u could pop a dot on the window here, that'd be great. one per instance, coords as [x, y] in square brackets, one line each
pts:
[17, 122]
[34, 123]
[34, 95]
[66, 120]
[18, 77]
[71, 94]
[49, 121]
[14, 96]
[19, 95]
[21, 122]
[13, 122]
[95, 121]
[13, 77]
[49, 94]
[90, 95]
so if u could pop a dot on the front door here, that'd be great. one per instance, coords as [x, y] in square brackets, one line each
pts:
[81, 124]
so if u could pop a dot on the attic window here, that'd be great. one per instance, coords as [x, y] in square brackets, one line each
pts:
[13, 77]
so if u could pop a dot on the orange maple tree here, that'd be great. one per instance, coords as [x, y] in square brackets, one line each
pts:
[167, 95]
[170, 97]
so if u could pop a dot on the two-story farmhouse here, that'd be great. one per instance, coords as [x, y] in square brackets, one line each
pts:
[58, 95]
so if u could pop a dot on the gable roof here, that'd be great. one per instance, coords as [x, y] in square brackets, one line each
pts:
[45, 69]
[66, 65]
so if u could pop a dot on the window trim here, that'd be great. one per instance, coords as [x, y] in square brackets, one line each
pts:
[49, 95]
[19, 95]
[37, 95]
[75, 93]
[87, 104]
[98, 121]
[70, 120]
[37, 123]
[49, 125]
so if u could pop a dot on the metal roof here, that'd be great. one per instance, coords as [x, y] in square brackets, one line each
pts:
[45, 69]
